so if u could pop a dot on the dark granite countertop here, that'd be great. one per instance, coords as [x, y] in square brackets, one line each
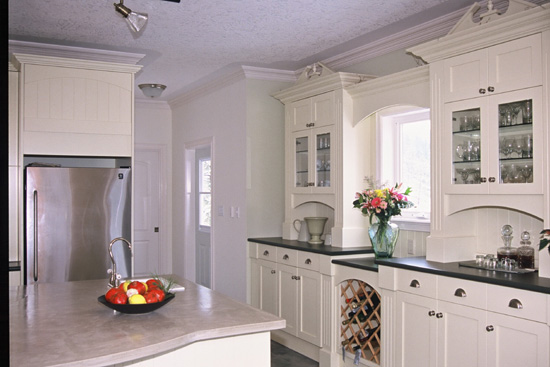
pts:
[368, 263]
[529, 281]
[319, 249]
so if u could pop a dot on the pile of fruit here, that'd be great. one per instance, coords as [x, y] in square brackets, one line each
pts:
[136, 292]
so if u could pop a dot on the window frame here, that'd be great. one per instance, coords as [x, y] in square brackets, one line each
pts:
[201, 192]
[389, 122]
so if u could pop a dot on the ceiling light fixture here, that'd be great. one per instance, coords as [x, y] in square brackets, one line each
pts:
[152, 90]
[136, 21]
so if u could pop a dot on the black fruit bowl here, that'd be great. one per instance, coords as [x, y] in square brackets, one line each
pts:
[136, 309]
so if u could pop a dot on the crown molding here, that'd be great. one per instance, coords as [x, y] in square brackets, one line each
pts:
[19, 59]
[253, 72]
[394, 81]
[498, 31]
[45, 49]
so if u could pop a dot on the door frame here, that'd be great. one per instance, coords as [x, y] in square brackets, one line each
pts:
[190, 226]
[165, 258]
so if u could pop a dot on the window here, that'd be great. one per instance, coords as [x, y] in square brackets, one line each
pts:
[205, 195]
[404, 156]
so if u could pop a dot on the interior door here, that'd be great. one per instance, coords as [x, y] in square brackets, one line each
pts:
[146, 244]
[203, 213]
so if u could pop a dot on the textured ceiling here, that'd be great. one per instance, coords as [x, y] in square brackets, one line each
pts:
[187, 42]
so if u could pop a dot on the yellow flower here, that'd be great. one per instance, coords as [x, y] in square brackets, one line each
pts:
[379, 193]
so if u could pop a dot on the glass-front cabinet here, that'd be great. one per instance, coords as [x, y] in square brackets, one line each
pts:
[312, 160]
[495, 144]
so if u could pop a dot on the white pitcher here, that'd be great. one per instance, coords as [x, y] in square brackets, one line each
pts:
[303, 233]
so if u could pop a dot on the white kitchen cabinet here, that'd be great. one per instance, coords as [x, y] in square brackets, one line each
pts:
[76, 107]
[494, 145]
[267, 291]
[312, 163]
[501, 68]
[444, 321]
[312, 112]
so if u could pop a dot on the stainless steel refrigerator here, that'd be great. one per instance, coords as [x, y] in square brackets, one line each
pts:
[71, 215]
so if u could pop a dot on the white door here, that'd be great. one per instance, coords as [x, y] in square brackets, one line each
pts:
[147, 198]
[203, 216]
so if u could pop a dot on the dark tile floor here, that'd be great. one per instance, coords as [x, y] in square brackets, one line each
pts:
[282, 356]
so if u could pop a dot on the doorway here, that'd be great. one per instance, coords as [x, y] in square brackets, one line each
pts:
[203, 216]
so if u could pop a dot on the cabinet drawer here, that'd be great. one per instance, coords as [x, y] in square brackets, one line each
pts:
[267, 252]
[309, 260]
[287, 256]
[414, 282]
[517, 302]
[463, 292]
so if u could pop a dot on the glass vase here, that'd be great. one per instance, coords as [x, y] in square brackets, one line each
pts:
[383, 237]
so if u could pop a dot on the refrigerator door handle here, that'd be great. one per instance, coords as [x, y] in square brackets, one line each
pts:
[35, 234]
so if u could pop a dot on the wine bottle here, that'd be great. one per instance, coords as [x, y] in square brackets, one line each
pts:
[361, 295]
[353, 318]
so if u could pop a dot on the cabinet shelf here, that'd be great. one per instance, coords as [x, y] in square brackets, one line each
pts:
[361, 331]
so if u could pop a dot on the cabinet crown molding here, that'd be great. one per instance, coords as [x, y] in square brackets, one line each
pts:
[318, 85]
[19, 59]
[463, 39]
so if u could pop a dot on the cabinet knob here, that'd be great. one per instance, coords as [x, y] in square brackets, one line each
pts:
[439, 315]
[482, 90]
[491, 89]
[483, 179]
[415, 284]
[492, 179]
[308, 261]
[273, 271]
[490, 328]
[293, 277]
[431, 313]
[285, 257]
[515, 303]
[460, 292]
[266, 253]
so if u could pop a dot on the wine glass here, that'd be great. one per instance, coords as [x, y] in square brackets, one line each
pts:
[460, 151]
[527, 146]
[518, 146]
[504, 171]
[527, 112]
[508, 147]
[464, 175]
[526, 172]
[477, 175]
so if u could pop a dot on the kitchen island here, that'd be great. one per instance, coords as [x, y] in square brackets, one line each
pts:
[63, 324]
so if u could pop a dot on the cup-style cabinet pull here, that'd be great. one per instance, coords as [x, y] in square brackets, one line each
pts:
[295, 277]
[482, 90]
[490, 328]
[273, 271]
[308, 262]
[515, 303]
[415, 284]
[266, 253]
[285, 257]
[460, 293]
[439, 315]
[431, 313]
[491, 89]
[492, 179]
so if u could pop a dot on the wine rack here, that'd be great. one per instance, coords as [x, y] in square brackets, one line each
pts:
[361, 320]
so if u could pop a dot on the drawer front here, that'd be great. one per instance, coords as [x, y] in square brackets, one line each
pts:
[517, 302]
[266, 252]
[422, 284]
[287, 256]
[309, 260]
[463, 292]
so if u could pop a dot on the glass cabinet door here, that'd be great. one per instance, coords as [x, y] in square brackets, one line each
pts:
[322, 164]
[466, 144]
[515, 142]
[302, 161]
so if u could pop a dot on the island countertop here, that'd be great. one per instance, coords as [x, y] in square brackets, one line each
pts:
[64, 324]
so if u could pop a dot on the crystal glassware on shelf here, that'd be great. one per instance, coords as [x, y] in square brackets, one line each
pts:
[518, 146]
[527, 146]
[464, 175]
[460, 151]
[527, 112]
[527, 173]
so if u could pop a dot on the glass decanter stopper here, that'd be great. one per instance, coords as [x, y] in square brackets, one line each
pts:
[507, 251]
[526, 253]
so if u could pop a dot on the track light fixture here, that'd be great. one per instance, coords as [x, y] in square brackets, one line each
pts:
[136, 21]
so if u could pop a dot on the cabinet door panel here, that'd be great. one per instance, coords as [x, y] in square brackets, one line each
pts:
[461, 336]
[268, 286]
[515, 64]
[516, 342]
[323, 109]
[309, 303]
[300, 114]
[465, 75]
[288, 297]
[416, 331]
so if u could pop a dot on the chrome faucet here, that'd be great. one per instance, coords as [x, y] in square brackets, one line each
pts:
[114, 279]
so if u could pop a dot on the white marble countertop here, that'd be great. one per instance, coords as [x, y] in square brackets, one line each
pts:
[65, 325]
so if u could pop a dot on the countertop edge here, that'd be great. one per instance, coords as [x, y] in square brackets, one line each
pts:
[318, 249]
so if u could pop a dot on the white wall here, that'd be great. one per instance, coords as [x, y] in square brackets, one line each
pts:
[220, 115]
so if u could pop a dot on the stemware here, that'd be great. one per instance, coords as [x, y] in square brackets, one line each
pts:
[527, 146]
[508, 147]
[527, 172]
[518, 147]
[460, 151]
[527, 112]
[504, 171]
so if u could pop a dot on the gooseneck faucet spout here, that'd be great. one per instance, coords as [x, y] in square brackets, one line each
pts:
[114, 279]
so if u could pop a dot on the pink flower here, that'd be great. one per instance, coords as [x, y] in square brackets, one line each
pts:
[376, 202]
